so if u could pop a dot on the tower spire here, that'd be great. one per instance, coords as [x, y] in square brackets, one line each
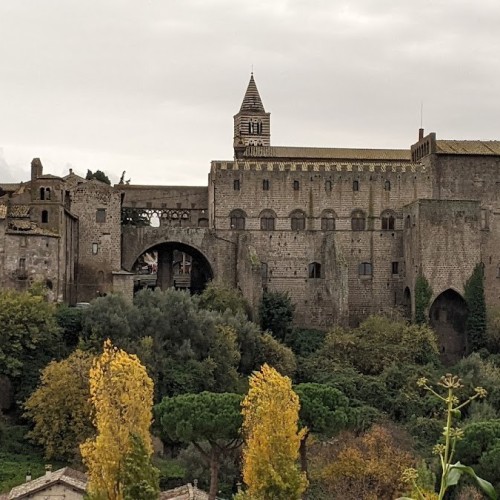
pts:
[252, 101]
[252, 125]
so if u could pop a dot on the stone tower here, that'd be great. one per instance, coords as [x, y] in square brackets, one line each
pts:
[252, 125]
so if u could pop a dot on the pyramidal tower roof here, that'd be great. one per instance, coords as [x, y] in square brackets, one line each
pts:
[252, 100]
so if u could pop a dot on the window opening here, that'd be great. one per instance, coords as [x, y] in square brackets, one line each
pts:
[267, 223]
[45, 216]
[395, 268]
[315, 270]
[265, 185]
[298, 221]
[388, 222]
[355, 185]
[358, 221]
[296, 185]
[237, 220]
[236, 185]
[100, 215]
[387, 186]
[365, 269]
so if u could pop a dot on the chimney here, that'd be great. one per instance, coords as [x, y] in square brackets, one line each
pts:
[48, 471]
[70, 171]
[28, 476]
[420, 134]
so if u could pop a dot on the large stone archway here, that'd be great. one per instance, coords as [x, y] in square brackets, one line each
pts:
[447, 317]
[180, 266]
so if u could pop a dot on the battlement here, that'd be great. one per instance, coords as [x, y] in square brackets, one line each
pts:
[401, 167]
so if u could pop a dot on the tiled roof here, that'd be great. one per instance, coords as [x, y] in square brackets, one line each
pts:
[19, 211]
[10, 186]
[468, 147]
[49, 176]
[71, 477]
[252, 101]
[186, 492]
[326, 153]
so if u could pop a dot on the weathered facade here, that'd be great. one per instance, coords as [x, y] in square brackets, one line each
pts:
[345, 231]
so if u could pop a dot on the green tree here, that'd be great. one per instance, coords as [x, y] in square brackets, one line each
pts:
[423, 295]
[60, 408]
[276, 314]
[324, 410]
[29, 339]
[222, 297]
[272, 440]
[122, 397]
[139, 478]
[375, 344]
[475, 325]
[98, 175]
[213, 418]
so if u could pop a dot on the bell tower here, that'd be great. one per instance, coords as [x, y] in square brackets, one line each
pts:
[252, 125]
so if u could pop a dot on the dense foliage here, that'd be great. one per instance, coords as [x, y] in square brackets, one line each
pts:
[201, 352]
[272, 439]
[121, 394]
[475, 325]
[423, 295]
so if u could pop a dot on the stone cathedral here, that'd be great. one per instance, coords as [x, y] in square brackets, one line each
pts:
[345, 231]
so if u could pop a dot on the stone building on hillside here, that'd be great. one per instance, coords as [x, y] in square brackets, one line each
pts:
[345, 231]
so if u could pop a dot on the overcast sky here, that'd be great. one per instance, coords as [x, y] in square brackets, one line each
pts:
[151, 86]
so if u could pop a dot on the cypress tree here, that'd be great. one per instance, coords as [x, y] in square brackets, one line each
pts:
[475, 325]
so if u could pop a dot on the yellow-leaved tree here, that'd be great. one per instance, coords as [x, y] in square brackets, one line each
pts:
[118, 459]
[272, 440]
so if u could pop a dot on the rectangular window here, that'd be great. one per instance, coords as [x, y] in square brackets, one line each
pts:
[22, 265]
[236, 185]
[100, 215]
[296, 185]
[395, 268]
[95, 248]
[265, 185]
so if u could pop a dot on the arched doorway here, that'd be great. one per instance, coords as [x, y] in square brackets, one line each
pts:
[172, 264]
[447, 317]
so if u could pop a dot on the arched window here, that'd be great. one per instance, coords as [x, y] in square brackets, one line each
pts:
[328, 186]
[328, 220]
[237, 219]
[355, 185]
[365, 269]
[265, 184]
[298, 220]
[47, 193]
[387, 185]
[408, 222]
[42, 193]
[388, 221]
[358, 220]
[267, 218]
[314, 270]
[45, 216]
[296, 185]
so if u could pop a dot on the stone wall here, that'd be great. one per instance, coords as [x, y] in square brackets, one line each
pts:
[97, 207]
[339, 293]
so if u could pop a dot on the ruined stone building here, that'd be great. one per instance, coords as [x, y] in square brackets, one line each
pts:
[344, 231]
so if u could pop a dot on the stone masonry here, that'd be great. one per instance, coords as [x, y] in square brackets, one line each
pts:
[345, 232]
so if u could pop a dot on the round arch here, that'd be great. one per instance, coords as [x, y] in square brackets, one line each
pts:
[447, 316]
[173, 264]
